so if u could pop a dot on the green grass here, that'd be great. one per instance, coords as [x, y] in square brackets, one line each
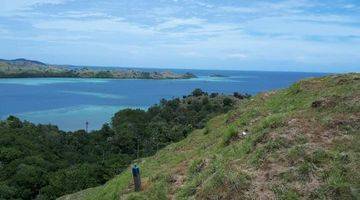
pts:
[230, 133]
[292, 151]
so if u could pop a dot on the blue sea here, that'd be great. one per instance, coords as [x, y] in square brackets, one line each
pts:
[70, 102]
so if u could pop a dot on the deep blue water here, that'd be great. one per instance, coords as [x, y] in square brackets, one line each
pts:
[69, 103]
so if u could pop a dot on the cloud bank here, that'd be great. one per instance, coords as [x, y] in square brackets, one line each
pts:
[244, 35]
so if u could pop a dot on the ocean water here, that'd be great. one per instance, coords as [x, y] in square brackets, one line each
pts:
[70, 102]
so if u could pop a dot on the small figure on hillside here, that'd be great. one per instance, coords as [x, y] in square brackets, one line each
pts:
[136, 176]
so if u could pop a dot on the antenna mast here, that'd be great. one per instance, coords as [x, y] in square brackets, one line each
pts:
[87, 126]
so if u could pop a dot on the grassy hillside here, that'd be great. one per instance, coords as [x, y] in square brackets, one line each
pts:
[301, 143]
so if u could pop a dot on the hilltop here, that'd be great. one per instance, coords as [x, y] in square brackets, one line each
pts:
[22, 62]
[23, 68]
[297, 143]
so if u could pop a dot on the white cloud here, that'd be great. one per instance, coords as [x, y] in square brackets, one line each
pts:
[176, 22]
[237, 55]
[116, 25]
[242, 10]
[327, 18]
[194, 28]
[268, 8]
[248, 31]
[291, 27]
[4, 31]
[82, 14]
[191, 54]
[14, 7]
[350, 6]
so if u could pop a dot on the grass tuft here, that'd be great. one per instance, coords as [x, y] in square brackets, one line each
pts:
[230, 133]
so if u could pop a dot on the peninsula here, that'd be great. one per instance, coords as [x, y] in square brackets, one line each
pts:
[23, 68]
[218, 76]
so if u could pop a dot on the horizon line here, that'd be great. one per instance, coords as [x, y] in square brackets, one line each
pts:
[185, 68]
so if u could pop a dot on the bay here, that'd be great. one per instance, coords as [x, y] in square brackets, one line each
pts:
[70, 102]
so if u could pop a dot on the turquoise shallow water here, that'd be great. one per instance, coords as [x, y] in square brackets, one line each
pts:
[70, 102]
[45, 81]
[68, 116]
[95, 94]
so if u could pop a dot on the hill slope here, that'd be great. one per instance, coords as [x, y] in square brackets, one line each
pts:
[301, 143]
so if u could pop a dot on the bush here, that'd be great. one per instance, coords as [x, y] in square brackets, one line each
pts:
[197, 92]
[284, 193]
[319, 156]
[295, 153]
[14, 122]
[227, 101]
[273, 121]
[229, 134]
[257, 158]
[304, 171]
[196, 166]
[206, 130]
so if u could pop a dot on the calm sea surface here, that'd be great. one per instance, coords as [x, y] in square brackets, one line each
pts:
[69, 102]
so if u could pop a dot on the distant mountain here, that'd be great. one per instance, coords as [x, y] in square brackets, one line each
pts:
[23, 62]
[23, 68]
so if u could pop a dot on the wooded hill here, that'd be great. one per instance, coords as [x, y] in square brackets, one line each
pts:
[22, 68]
[43, 162]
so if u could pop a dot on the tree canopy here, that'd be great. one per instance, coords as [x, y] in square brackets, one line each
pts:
[43, 162]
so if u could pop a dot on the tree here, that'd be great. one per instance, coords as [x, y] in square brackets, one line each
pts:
[129, 126]
[69, 180]
[8, 154]
[213, 95]
[7, 192]
[43, 162]
[14, 122]
[227, 101]
[197, 92]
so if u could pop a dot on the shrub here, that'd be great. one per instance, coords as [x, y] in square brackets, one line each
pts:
[273, 121]
[195, 167]
[284, 192]
[304, 171]
[319, 156]
[229, 134]
[295, 153]
[206, 130]
[295, 88]
[257, 158]
[227, 101]
[158, 191]
[213, 95]
[274, 144]
[197, 92]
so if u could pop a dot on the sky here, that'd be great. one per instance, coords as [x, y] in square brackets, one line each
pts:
[272, 35]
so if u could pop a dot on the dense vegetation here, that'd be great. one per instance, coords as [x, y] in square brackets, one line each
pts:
[42, 162]
[300, 143]
[22, 68]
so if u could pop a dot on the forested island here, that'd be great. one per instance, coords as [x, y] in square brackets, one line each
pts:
[23, 68]
[218, 76]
